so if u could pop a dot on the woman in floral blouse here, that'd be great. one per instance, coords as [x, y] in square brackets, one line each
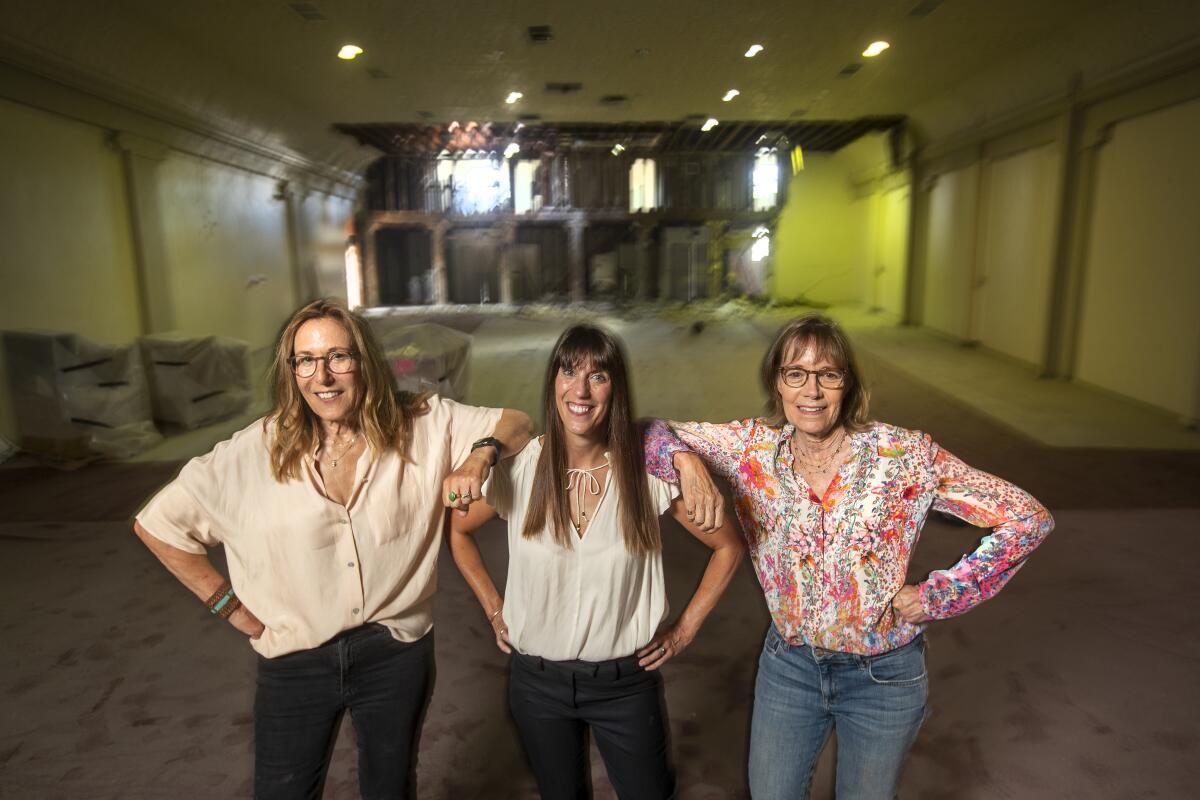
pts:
[832, 506]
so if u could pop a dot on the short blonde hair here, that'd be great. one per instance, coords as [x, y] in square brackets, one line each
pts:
[384, 420]
[830, 342]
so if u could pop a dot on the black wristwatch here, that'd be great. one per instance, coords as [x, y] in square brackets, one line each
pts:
[490, 441]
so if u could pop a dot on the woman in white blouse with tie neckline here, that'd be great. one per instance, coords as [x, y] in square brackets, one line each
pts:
[585, 605]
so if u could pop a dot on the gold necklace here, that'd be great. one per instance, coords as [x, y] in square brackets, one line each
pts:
[333, 461]
[819, 466]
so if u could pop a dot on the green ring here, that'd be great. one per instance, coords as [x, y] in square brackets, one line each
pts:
[453, 497]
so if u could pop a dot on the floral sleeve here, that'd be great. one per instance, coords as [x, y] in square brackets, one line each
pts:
[720, 445]
[1019, 523]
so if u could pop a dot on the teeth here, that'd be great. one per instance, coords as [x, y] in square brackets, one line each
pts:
[327, 395]
[578, 409]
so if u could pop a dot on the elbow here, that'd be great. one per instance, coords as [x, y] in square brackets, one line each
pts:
[1046, 523]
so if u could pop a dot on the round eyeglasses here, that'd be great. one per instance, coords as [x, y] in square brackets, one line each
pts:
[338, 361]
[796, 377]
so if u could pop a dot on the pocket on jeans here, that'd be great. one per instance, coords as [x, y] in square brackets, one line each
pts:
[902, 667]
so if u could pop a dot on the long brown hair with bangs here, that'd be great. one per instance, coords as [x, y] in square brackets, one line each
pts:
[382, 419]
[830, 342]
[579, 346]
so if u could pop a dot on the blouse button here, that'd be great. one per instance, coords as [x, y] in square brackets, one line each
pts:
[354, 612]
[349, 563]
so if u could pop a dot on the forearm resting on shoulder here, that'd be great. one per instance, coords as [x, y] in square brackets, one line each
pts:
[514, 430]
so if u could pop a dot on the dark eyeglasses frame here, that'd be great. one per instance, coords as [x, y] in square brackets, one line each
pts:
[294, 362]
[841, 383]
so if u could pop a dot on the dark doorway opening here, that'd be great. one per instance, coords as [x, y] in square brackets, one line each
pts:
[405, 262]
[539, 263]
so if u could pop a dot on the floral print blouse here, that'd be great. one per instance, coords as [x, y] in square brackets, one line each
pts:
[830, 566]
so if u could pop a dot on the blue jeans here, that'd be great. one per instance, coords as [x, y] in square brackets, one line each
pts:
[384, 683]
[875, 703]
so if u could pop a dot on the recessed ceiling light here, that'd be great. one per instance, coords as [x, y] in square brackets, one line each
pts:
[708, 126]
[618, 148]
[754, 50]
[512, 149]
[513, 97]
[349, 52]
[875, 48]
[732, 93]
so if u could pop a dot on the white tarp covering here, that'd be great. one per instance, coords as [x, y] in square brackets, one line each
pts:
[195, 381]
[428, 358]
[74, 398]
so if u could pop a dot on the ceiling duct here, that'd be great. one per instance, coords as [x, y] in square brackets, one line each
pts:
[540, 34]
[308, 12]
[850, 69]
[924, 8]
[563, 87]
[614, 100]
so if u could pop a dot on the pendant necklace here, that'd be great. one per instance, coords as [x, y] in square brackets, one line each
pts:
[333, 461]
[582, 480]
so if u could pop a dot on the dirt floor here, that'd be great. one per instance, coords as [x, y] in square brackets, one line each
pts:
[1078, 681]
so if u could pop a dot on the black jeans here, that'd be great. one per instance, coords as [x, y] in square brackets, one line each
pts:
[555, 702]
[385, 684]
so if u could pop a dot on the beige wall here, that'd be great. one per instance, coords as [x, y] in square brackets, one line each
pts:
[1140, 323]
[1015, 259]
[838, 232]
[949, 249]
[222, 253]
[1096, 278]
[227, 250]
[66, 262]
[326, 221]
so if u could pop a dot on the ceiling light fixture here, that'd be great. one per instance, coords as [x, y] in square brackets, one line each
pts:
[513, 97]
[349, 52]
[754, 50]
[709, 125]
[875, 48]
[618, 148]
[512, 149]
[732, 93]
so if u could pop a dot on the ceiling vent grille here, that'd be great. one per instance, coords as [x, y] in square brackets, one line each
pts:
[530, 117]
[614, 100]
[377, 74]
[425, 114]
[564, 88]
[850, 69]
[308, 11]
[540, 34]
[925, 8]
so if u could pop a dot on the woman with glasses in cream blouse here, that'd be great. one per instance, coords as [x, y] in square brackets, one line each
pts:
[585, 605]
[832, 505]
[330, 514]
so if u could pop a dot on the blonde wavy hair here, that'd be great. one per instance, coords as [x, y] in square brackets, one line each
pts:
[384, 419]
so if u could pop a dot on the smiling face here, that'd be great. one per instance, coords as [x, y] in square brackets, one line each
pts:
[582, 396]
[331, 396]
[813, 409]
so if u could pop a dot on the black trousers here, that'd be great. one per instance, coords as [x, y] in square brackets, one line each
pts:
[385, 684]
[556, 702]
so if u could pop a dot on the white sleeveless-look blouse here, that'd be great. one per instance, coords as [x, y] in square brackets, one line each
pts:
[594, 601]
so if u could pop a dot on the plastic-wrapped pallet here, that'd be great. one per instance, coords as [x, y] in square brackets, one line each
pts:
[427, 357]
[75, 399]
[195, 381]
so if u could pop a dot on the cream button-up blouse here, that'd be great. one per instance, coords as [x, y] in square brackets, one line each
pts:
[306, 566]
[593, 602]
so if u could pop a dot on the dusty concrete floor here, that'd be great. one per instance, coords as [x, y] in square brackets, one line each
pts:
[1077, 682]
